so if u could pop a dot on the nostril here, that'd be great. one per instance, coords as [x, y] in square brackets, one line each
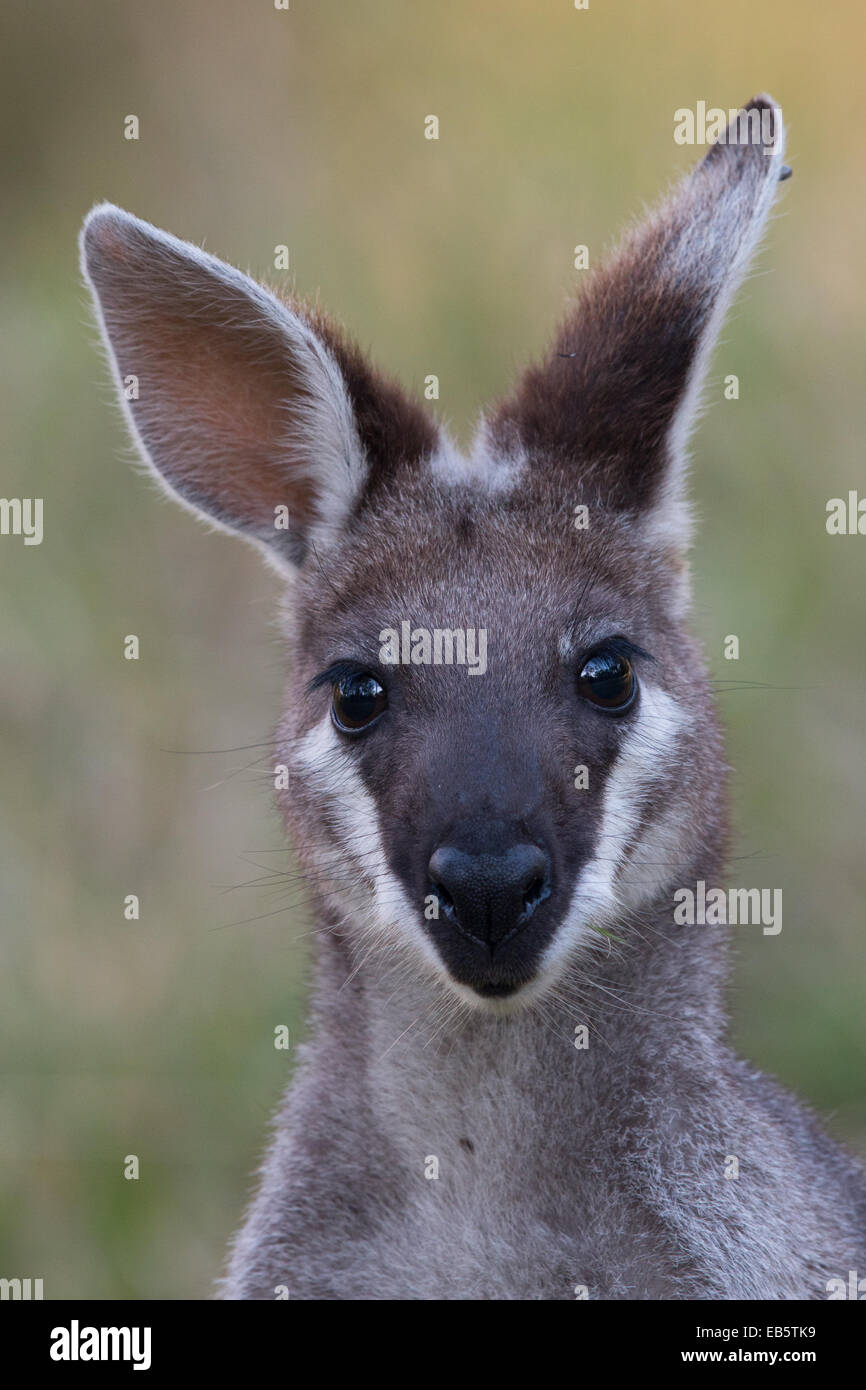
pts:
[444, 867]
[443, 897]
[534, 893]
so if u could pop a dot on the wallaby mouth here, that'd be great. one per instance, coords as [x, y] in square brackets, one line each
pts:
[496, 991]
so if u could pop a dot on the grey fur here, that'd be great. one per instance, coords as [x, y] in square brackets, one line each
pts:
[434, 1143]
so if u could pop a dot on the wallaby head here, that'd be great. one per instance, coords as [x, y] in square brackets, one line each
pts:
[499, 735]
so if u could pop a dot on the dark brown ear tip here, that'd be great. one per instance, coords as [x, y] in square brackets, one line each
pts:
[785, 172]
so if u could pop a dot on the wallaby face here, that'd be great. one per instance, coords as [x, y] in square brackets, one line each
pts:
[444, 811]
[449, 826]
[502, 760]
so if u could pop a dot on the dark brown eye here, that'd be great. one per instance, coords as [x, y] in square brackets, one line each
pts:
[357, 701]
[607, 680]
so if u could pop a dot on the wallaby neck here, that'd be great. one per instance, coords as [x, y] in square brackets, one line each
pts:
[429, 1067]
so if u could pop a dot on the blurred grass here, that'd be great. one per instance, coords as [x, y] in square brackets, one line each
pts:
[259, 128]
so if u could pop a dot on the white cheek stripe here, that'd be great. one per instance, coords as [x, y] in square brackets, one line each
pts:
[322, 762]
[325, 762]
[641, 762]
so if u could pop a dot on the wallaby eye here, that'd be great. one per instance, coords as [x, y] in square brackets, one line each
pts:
[607, 680]
[357, 701]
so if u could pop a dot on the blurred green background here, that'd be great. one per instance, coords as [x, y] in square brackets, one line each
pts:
[260, 127]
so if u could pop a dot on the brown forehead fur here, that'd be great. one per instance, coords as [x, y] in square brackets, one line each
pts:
[440, 556]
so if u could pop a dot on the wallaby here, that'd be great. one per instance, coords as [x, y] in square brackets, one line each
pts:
[503, 763]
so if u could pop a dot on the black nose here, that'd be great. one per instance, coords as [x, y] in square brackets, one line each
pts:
[490, 897]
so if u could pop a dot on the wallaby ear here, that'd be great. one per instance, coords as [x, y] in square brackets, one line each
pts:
[251, 410]
[617, 394]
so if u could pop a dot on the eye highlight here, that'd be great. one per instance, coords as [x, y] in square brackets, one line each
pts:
[357, 701]
[607, 680]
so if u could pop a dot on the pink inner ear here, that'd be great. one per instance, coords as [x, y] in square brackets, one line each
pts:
[245, 404]
[218, 374]
[224, 422]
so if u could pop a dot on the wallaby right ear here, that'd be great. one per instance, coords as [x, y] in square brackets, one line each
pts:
[254, 412]
[615, 397]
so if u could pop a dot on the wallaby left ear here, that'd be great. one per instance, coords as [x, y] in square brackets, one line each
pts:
[616, 396]
[255, 412]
